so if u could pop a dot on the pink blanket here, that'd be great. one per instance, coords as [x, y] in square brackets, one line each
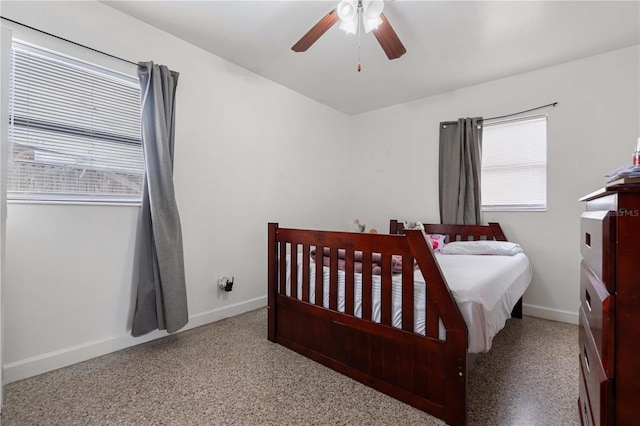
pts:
[376, 261]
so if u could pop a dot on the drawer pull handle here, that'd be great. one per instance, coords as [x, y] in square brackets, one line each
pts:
[587, 239]
[586, 414]
[587, 299]
[586, 359]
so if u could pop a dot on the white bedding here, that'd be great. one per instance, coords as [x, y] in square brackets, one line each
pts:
[486, 288]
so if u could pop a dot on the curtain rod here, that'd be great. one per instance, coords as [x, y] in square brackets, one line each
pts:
[522, 112]
[69, 41]
[505, 116]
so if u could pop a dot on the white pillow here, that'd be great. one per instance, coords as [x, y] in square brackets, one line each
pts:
[502, 248]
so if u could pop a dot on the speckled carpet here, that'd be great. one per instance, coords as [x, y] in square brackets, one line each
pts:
[228, 373]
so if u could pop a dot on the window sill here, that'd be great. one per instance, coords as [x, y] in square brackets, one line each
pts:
[77, 203]
[514, 208]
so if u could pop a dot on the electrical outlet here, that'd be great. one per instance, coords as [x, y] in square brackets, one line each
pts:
[222, 281]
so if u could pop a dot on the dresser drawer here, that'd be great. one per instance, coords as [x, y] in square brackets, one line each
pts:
[599, 307]
[584, 406]
[599, 388]
[597, 229]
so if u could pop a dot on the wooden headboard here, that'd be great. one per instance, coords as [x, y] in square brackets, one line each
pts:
[493, 231]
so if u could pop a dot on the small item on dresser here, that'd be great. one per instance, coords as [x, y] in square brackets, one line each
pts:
[636, 155]
[624, 174]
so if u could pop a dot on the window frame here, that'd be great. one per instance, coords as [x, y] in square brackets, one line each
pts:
[75, 60]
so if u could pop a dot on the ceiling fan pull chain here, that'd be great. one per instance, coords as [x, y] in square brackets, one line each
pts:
[359, 33]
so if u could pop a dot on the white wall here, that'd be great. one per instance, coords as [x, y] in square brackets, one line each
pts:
[248, 151]
[592, 131]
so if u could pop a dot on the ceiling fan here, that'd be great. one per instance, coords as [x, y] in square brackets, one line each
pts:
[354, 15]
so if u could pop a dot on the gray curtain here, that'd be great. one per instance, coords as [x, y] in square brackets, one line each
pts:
[161, 301]
[459, 171]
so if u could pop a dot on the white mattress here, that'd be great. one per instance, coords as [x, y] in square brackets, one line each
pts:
[486, 288]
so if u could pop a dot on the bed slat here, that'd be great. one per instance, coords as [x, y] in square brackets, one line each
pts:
[386, 290]
[319, 286]
[283, 270]
[306, 261]
[407, 294]
[431, 316]
[349, 278]
[294, 270]
[367, 286]
[333, 278]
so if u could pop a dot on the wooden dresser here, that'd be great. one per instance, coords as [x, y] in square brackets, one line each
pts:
[610, 307]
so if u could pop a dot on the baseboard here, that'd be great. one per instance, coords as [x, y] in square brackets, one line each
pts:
[57, 359]
[550, 313]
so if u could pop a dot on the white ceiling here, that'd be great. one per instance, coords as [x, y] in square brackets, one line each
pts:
[450, 44]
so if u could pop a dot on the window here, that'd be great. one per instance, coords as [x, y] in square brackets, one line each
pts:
[514, 165]
[74, 131]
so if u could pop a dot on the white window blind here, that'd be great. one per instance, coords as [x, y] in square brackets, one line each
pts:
[74, 131]
[514, 165]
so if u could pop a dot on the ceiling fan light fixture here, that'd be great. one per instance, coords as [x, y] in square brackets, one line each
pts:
[347, 10]
[367, 12]
[372, 9]
[371, 24]
[349, 27]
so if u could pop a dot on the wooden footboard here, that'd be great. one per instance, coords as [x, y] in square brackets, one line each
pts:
[421, 370]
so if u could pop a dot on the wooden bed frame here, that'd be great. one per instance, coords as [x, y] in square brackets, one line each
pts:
[421, 370]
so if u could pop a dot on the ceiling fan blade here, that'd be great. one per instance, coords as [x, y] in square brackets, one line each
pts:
[316, 31]
[389, 40]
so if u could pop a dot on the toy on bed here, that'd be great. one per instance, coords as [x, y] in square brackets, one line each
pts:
[389, 311]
